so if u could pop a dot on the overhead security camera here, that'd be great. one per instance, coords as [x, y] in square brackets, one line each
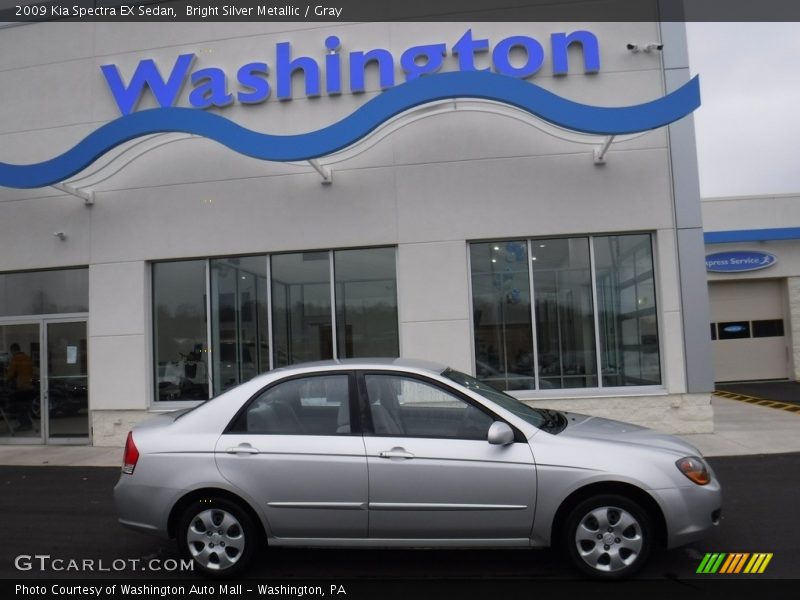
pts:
[647, 47]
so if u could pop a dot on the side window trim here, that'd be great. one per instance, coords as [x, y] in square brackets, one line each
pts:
[236, 425]
[365, 411]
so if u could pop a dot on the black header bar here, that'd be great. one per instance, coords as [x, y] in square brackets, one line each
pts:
[12, 11]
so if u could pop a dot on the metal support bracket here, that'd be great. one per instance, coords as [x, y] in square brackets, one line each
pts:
[324, 172]
[87, 197]
[601, 150]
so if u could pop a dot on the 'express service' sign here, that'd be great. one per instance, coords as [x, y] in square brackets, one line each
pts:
[739, 262]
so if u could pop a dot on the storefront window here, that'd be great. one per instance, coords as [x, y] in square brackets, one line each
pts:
[501, 304]
[562, 284]
[564, 275]
[627, 310]
[301, 307]
[366, 302]
[180, 340]
[239, 327]
[44, 292]
[267, 312]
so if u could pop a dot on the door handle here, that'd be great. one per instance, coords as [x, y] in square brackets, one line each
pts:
[395, 453]
[243, 449]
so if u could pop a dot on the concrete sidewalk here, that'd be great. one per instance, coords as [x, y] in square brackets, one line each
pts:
[744, 428]
[739, 428]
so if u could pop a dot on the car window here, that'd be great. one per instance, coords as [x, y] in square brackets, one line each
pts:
[405, 406]
[304, 406]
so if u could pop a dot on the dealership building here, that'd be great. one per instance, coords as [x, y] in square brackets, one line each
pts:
[175, 253]
[753, 261]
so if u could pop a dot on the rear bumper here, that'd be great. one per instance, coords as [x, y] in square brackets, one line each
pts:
[140, 507]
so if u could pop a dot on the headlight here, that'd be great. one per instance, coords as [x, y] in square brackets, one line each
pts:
[695, 469]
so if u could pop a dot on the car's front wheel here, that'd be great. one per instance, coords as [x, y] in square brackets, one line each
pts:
[608, 536]
[218, 536]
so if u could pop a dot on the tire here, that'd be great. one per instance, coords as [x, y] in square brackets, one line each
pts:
[218, 536]
[625, 536]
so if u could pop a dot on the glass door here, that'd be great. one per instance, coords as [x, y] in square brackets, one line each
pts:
[66, 393]
[20, 383]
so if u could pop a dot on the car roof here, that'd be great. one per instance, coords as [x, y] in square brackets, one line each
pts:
[367, 363]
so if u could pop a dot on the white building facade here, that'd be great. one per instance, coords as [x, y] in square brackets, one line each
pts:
[564, 267]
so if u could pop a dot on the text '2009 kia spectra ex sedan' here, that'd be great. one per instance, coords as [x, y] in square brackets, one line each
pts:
[398, 453]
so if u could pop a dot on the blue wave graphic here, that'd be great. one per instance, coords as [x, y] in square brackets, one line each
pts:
[462, 84]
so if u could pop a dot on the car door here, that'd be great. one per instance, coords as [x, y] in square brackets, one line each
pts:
[293, 450]
[432, 472]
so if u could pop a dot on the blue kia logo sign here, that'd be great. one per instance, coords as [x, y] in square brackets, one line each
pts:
[738, 262]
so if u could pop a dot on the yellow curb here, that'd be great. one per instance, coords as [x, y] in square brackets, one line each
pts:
[792, 408]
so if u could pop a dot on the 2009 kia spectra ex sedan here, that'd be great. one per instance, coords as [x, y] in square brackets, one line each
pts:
[396, 453]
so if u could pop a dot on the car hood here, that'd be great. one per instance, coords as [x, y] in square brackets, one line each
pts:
[598, 428]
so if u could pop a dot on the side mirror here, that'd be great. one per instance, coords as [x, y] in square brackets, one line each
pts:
[500, 434]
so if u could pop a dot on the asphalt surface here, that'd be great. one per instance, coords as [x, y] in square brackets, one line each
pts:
[780, 391]
[67, 513]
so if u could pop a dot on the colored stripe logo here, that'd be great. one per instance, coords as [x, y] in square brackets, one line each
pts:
[521, 94]
[734, 563]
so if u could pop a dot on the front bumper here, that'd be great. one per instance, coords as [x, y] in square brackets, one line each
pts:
[691, 512]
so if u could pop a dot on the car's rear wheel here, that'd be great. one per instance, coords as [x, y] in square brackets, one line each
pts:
[218, 536]
[608, 536]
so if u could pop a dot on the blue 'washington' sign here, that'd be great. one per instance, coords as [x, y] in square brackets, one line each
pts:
[503, 81]
[739, 262]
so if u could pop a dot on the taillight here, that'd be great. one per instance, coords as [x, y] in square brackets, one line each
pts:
[131, 456]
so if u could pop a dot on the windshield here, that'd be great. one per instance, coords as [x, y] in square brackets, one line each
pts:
[549, 420]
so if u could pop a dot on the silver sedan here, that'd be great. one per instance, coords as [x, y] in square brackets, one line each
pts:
[398, 453]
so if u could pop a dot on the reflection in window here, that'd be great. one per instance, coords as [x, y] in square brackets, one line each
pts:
[301, 307]
[179, 320]
[627, 310]
[366, 302]
[308, 406]
[410, 407]
[44, 292]
[239, 328]
[501, 306]
[293, 303]
[562, 284]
